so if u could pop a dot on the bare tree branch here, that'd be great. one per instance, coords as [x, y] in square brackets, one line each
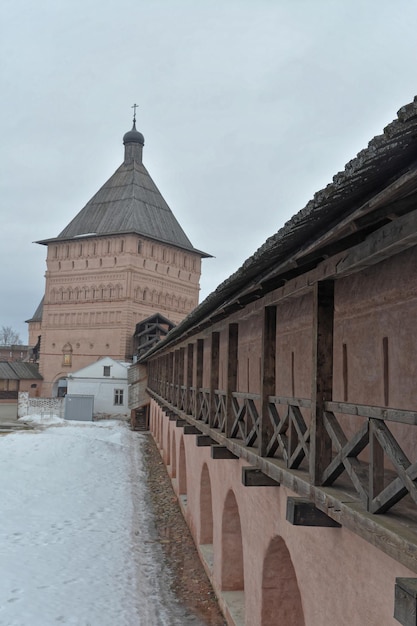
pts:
[9, 337]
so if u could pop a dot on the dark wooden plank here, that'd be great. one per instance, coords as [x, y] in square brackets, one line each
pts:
[254, 477]
[303, 512]
[232, 355]
[199, 373]
[300, 402]
[190, 373]
[175, 398]
[221, 452]
[268, 357]
[376, 471]
[202, 441]
[322, 369]
[180, 375]
[381, 244]
[214, 374]
[170, 376]
[375, 412]
[190, 429]
[180, 423]
[405, 607]
[244, 395]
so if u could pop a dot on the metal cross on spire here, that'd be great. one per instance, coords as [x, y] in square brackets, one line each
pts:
[134, 107]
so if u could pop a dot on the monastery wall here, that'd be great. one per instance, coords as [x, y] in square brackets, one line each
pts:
[265, 570]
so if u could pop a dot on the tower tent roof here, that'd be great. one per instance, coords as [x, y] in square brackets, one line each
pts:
[129, 202]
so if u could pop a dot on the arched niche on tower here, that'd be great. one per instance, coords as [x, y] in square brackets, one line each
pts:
[67, 355]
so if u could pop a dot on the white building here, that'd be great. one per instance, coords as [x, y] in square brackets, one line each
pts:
[106, 380]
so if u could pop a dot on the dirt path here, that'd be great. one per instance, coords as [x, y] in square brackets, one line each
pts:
[189, 580]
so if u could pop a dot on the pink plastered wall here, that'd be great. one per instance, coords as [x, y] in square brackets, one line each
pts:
[331, 575]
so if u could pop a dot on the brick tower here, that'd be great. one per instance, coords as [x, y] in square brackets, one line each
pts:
[121, 259]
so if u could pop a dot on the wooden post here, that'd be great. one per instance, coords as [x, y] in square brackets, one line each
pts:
[405, 607]
[190, 369]
[199, 376]
[181, 363]
[269, 344]
[174, 399]
[165, 376]
[232, 364]
[322, 379]
[170, 393]
[376, 469]
[214, 374]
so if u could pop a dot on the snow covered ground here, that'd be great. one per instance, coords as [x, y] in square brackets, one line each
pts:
[76, 535]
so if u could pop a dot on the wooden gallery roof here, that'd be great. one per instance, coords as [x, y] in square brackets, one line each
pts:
[377, 191]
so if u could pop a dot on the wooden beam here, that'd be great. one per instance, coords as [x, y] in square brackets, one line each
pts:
[202, 441]
[302, 512]
[221, 452]
[392, 238]
[232, 356]
[376, 412]
[254, 477]
[190, 429]
[405, 607]
[190, 371]
[214, 373]
[180, 423]
[199, 372]
[269, 342]
[180, 374]
[322, 381]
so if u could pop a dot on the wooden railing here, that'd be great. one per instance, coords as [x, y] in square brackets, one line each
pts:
[246, 414]
[291, 435]
[372, 458]
[378, 487]
[219, 417]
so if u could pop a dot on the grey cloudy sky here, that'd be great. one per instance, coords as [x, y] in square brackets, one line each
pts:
[247, 108]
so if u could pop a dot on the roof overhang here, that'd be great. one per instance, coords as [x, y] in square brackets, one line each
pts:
[89, 236]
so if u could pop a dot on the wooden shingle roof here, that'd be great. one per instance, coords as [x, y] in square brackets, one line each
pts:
[129, 202]
[351, 207]
[37, 316]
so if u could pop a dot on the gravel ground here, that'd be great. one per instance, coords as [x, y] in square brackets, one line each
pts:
[189, 581]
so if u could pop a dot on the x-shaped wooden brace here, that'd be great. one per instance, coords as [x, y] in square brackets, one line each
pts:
[254, 416]
[220, 411]
[407, 472]
[238, 427]
[279, 439]
[345, 459]
[203, 409]
[298, 433]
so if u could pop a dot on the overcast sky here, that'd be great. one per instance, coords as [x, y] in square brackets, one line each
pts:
[248, 107]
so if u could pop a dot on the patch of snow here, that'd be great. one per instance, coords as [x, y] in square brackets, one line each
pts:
[75, 530]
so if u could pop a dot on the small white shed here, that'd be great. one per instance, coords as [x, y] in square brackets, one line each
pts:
[106, 380]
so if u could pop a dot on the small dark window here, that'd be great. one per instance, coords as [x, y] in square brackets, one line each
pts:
[118, 396]
[33, 386]
[106, 370]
